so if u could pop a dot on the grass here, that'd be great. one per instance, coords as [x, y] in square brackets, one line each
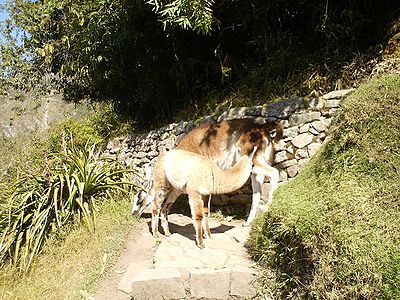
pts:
[75, 262]
[332, 232]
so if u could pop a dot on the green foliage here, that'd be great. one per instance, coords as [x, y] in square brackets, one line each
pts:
[188, 14]
[332, 232]
[117, 50]
[39, 204]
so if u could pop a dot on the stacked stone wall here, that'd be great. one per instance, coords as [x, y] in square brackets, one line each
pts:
[306, 124]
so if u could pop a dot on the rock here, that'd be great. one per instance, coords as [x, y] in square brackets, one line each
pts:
[316, 103]
[292, 170]
[291, 149]
[337, 94]
[171, 126]
[165, 284]
[254, 111]
[233, 113]
[313, 131]
[207, 120]
[291, 132]
[243, 283]
[302, 163]
[283, 176]
[305, 117]
[319, 125]
[304, 128]
[332, 103]
[153, 153]
[322, 136]
[140, 155]
[300, 153]
[302, 140]
[287, 163]
[180, 128]
[209, 284]
[280, 156]
[285, 124]
[189, 126]
[284, 108]
[279, 146]
[313, 148]
[164, 136]
[169, 143]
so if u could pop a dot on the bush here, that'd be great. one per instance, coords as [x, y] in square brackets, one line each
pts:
[118, 50]
[40, 204]
[332, 232]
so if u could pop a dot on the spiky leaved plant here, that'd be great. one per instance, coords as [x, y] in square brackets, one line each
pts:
[69, 187]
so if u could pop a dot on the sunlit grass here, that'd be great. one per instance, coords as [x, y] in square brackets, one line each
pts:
[332, 232]
[75, 262]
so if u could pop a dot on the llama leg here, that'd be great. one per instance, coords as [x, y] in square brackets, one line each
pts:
[196, 207]
[272, 173]
[171, 197]
[155, 211]
[256, 182]
[206, 212]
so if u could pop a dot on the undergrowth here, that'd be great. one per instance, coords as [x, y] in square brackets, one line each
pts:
[73, 262]
[332, 232]
[69, 187]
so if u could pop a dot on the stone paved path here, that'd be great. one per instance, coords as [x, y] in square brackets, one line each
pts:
[175, 268]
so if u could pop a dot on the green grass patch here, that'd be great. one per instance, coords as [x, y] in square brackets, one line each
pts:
[75, 261]
[332, 232]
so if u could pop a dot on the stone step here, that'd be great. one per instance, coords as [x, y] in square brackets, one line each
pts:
[170, 283]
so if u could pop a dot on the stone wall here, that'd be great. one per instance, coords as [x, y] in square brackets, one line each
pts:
[306, 123]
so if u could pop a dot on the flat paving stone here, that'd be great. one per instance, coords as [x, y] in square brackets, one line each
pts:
[210, 284]
[158, 284]
[243, 283]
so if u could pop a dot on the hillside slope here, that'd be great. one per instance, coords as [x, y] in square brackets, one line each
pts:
[332, 232]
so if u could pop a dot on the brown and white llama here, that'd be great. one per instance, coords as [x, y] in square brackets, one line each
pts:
[179, 171]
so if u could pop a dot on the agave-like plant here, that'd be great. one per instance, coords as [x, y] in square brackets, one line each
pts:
[36, 205]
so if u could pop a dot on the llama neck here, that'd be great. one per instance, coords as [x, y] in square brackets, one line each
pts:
[229, 180]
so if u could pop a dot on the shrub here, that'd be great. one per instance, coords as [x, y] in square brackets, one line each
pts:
[39, 204]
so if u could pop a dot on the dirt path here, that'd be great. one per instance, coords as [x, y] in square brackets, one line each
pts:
[175, 268]
[137, 256]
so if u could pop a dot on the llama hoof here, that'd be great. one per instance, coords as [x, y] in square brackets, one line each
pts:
[167, 233]
[155, 235]
[246, 224]
[201, 246]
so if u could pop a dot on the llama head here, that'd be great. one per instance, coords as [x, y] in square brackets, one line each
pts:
[141, 201]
